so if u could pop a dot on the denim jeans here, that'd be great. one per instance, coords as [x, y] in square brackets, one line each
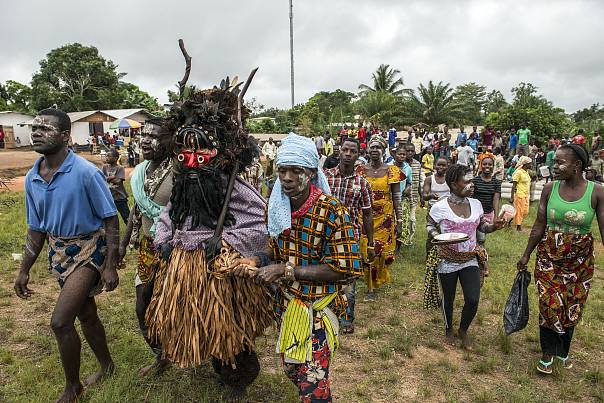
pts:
[350, 292]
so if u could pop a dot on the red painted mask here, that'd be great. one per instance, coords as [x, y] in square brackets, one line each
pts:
[194, 159]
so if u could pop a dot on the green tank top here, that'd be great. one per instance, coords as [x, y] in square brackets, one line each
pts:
[570, 217]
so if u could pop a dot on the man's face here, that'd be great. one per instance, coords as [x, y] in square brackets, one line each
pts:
[401, 155]
[295, 180]
[410, 153]
[336, 151]
[349, 153]
[441, 166]
[45, 136]
[270, 140]
[474, 128]
[111, 158]
[154, 144]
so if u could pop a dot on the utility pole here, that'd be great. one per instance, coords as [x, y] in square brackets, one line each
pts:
[291, 47]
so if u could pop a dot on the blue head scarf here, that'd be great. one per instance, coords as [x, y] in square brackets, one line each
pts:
[294, 151]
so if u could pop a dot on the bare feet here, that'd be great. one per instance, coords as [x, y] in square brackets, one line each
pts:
[466, 342]
[98, 376]
[70, 394]
[158, 365]
[449, 337]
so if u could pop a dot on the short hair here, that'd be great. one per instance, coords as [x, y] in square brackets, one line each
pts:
[113, 151]
[580, 153]
[442, 157]
[497, 150]
[352, 140]
[64, 120]
[455, 172]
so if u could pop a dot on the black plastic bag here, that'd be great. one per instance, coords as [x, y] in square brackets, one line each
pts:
[516, 313]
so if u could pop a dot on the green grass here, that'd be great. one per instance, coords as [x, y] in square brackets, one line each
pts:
[396, 353]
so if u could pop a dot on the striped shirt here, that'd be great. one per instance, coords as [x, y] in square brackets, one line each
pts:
[354, 192]
[485, 191]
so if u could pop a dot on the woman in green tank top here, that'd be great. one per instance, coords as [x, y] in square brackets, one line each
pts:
[565, 251]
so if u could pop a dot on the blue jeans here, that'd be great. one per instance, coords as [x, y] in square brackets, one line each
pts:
[350, 292]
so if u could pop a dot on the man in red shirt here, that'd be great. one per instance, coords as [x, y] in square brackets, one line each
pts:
[362, 134]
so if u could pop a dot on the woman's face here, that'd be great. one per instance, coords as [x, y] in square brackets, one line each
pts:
[487, 166]
[375, 152]
[464, 187]
[565, 164]
[441, 166]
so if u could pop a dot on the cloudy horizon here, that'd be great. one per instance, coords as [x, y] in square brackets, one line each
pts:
[338, 44]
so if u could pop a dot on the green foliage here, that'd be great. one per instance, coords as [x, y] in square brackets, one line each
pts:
[385, 79]
[434, 104]
[532, 110]
[379, 107]
[15, 96]
[494, 102]
[472, 98]
[75, 78]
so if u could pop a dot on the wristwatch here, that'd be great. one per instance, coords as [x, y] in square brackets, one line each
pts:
[288, 273]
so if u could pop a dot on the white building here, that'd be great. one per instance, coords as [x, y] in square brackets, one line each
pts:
[85, 123]
[15, 135]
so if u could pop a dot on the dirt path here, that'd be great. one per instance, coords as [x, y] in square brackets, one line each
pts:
[15, 164]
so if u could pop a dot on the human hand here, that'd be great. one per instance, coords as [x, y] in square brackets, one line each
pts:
[499, 223]
[244, 268]
[370, 255]
[121, 252]
[21, 288]
[270, 273]
[521, 264]
[110, 278]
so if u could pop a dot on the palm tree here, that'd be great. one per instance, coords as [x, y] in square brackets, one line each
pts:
[385, 80]
[379, 107]
[434, 104]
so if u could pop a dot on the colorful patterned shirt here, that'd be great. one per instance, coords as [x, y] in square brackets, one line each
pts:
[321, 235]
[354, 192]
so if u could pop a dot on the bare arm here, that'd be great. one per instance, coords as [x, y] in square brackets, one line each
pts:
[368, 224]
[513, 192]
[496, 200]
[112, 234]
[431, 227]
[599, 191]
[538, 227]
[33, 246]
[427, 188]
[127, 234]
[395, 188]
[318, 273]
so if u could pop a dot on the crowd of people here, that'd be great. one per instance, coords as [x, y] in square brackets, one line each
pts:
[230, 236]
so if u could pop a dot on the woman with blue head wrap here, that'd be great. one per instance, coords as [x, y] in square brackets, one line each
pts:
[298, 163]
[313, 254]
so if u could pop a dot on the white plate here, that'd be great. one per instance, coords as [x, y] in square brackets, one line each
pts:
[451, 237]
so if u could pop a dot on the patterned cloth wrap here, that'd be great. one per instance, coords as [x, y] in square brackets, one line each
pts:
[563, 272]
[66, 254]
[298, 322]
[148, 259]
[431, 297]
[312, 377]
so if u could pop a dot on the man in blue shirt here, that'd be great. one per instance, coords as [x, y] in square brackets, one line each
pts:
[513, 142]
[68, 202]
[461, 136]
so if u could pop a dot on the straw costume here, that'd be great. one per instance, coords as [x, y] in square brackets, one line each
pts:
[198, 310]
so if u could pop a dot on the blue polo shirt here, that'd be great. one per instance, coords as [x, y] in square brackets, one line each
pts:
[74, 202]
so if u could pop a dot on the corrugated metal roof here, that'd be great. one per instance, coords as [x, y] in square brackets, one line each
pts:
[75, 116]
[125, 113]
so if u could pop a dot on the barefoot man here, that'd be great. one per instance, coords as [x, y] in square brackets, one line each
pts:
[68, 203]
[151, 187]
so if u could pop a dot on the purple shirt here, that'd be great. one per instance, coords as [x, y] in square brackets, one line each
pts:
[248, 236]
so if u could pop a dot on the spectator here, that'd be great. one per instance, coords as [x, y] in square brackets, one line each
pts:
[465, 154]
[461, 136]
[115, 175]
[597, 166]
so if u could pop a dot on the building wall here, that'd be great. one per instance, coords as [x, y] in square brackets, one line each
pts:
[22, 132]
[80, 131]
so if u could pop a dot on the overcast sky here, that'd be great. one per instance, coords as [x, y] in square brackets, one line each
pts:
[556, 45]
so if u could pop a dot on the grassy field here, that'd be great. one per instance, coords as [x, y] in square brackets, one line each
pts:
[396, 354]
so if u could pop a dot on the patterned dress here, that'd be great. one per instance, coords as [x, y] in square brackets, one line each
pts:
[384, 225]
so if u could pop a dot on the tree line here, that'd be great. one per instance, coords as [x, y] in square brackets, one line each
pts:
[76, 77]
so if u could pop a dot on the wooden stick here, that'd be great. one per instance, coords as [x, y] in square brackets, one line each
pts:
[242, 94]
[182, 83]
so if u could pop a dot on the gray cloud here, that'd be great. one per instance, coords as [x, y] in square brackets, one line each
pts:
[554, 44]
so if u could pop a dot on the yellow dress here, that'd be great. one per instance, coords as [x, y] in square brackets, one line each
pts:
[384, 225]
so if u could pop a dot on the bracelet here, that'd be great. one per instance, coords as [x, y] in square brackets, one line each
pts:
[288, 273]
[264, 259]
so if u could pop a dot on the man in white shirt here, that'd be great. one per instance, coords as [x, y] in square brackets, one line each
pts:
[464, 154]
[269, 150]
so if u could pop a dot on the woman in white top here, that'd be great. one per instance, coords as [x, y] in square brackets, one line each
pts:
[435, 186]
[459, 213]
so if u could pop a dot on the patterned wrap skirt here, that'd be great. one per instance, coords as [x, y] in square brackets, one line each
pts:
[67, 254]
[563, 273]
[148, 260]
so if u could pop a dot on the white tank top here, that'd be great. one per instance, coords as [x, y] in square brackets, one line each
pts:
[440, 189]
